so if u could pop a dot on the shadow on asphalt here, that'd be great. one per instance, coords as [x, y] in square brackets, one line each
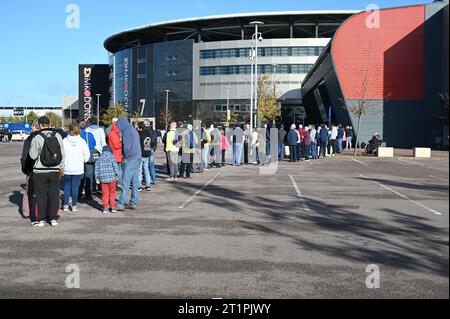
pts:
[402, 240]
[428, 187]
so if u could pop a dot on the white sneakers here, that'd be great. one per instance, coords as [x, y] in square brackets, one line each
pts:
[41, 224]
[38, 224]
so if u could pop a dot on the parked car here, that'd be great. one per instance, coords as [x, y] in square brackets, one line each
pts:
[19, 136]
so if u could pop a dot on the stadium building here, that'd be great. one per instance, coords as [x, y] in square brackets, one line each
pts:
[204, 62]
[395, 62]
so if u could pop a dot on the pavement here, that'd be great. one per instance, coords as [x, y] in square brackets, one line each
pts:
[309, 231]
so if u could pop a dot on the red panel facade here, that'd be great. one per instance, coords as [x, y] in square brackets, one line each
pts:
[385, 62]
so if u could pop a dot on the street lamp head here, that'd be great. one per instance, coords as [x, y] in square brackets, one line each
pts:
[256, 23]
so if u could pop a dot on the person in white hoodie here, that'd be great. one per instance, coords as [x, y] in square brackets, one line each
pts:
[77, 154]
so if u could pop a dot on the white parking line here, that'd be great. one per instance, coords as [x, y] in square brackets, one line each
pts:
[410, 162]
[190, 199]
[299, 194]
[362, 163]
[402, 196]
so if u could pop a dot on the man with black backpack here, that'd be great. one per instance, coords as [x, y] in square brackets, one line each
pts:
[48, 152]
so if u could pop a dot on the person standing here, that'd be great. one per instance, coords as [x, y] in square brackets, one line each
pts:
[172, 150]
[47, 150]
[188, 149]
[106, 173]
[146, 147]
[349, 132]
[224, 145]
[333, 139]
[301, 150]
[340, 138]
[292, 140]
[238, 143]
[248, 137]
[27, 165]
[87, 180]
[307, 142]
[323, 135]
[154, 147]
[206, 142]
[115, 144]
[77, 154]
[314, 136]
[281, 142]
[132, 154]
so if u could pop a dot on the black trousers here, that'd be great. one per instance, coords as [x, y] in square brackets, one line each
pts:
[334, 146]
[187, 166]
[245, 153]
[293, 153]
[46, 187]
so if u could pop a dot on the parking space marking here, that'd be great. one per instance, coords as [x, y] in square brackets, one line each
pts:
[362, 163]
[402, 196]
[198, 192]
[299, 194]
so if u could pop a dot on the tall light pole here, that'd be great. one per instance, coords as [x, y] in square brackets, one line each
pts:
[252, 90]
[257, 37]
[167, 107]
[228, 104]
[274, 78]
[98, 109]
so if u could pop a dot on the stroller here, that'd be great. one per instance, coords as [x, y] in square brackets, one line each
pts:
[373, 145]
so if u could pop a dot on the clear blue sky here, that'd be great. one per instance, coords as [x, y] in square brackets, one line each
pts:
[40, 56]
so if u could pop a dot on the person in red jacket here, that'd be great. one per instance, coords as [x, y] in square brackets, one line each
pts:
[115, 143]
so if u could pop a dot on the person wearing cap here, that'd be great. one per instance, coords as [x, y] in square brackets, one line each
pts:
[46, 179]
[87, 184]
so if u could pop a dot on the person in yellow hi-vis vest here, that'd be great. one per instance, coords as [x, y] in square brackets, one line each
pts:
[172, 149]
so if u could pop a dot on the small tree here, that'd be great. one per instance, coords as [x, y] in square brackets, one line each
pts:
[32, 117]
[55, 119]
[268, 108]
[116, 112]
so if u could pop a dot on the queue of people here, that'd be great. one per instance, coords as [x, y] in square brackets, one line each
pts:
[89, 160]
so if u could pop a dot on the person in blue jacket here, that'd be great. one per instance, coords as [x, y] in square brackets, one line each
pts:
[292, 139]
[132, 160]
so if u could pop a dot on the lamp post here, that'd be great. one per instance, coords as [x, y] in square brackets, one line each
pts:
[228, 104]
[98, 109]
[257, 36]
[252, 90]
[274, 78]
[167, 107]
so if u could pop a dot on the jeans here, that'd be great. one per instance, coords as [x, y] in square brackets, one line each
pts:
[130, 177]
[307, 151]
[350, 142]
[280, 152]
[314, 150]
[173, 164]
[298, 151]
[87, 181]
[205, 157]
[151, 167]
[71, 188]
[237, 153]
[339, 145]
[145, 169]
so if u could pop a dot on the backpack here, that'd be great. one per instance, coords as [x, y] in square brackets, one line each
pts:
[95, 154]
[51, 154]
